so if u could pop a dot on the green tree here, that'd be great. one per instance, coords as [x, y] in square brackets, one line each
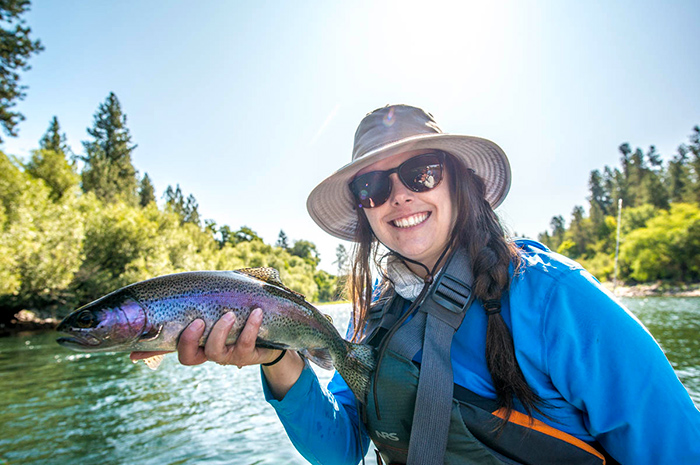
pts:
[694, 149]
[307, 251]
[557, 237]
[54, 169]
[600, 196]
[245, 234]
[108, 171]
[667, 247]
[679, 177]
[653, 190]
[282, 240]
[54, 140]
[327, 290]
[147, 193]
[41, 239]
[17, 47]
[341, 259]
[187, 209]
[226, 235]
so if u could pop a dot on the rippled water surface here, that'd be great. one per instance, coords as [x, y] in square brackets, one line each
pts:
[59, 406]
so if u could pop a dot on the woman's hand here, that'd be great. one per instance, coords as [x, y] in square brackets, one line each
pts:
[242, 353]
[280, 377]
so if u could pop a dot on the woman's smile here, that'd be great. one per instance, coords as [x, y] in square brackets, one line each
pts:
[411, 220]
[416, 225]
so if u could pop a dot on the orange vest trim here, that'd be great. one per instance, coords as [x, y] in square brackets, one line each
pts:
[537, 425]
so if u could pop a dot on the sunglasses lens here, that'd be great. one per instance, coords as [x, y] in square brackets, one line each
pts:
[371, 189]
[421, 173]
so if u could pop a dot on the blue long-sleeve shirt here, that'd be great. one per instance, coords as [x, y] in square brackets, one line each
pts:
[603, 376]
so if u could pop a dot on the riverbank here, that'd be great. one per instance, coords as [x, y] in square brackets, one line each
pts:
[26, 320]
[657, 289]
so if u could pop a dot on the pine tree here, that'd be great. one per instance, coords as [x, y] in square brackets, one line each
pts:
[16, 49]
[50, 162]
[694, 149]
[282, 241]
[653, 190]
[341, 259]
[147, 193]
[187, 209]
[679, 181]
[599, 194]
[108, 169]
[558, 229]
[54, 140]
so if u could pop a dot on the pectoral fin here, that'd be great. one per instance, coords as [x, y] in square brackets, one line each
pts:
[321, 357]
[153, 362]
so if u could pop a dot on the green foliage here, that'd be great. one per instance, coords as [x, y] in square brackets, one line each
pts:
[41, 238]
[327, 286]
[668, 247]
[307, 251]
[17, 47]
[602, 266]
[61, 247]
[187, 210]
[108, 170]
[53, 139]
[282, 240]
[147, 193]
[53, 168]
[659, 227]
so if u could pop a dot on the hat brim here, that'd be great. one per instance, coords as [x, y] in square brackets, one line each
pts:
[331, 203]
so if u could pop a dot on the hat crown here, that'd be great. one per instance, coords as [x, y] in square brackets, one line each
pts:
[391, 124]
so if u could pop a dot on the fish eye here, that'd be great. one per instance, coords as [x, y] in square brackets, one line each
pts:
[85, 319]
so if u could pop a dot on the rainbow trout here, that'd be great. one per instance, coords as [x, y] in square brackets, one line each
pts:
[150, 315]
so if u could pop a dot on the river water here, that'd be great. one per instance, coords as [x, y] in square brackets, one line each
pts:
[59, 406]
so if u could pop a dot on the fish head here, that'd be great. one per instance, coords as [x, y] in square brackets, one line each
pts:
[111, 323]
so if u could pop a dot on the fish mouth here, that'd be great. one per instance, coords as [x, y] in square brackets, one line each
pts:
[79, 341]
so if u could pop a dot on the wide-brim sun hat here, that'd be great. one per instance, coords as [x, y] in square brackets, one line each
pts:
[397, 129]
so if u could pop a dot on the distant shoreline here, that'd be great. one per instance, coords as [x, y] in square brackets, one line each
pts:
[657, 289]
[29, 321]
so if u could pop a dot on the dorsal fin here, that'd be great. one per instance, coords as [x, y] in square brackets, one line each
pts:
[269, 275]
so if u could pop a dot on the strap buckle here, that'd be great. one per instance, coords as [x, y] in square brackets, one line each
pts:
[452, 293]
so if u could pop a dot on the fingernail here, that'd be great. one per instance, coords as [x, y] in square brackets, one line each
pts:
[257, 314]
[228, 317]
[197, 325]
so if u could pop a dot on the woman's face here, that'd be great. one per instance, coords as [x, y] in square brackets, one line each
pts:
[417, 225]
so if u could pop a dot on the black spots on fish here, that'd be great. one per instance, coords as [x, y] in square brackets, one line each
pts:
[286, 294]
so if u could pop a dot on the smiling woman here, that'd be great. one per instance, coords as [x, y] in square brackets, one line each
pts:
[480, 341]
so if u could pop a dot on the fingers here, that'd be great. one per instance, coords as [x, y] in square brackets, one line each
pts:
[243, 352]
[188, 350]
[247, 338]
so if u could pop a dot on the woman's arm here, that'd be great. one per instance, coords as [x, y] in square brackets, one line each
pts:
[322, 425]
[604, 362]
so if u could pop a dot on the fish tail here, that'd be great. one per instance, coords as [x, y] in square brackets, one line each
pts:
[357, 368]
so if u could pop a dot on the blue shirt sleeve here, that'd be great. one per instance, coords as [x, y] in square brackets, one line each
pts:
[321, 423]
[605, 363]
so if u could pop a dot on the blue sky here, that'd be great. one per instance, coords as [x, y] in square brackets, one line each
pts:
[249, 105]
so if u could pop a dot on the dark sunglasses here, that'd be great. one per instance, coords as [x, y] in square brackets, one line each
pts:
[419, 174]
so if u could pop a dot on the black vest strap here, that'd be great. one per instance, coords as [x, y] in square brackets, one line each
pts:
[431, 330]
[444, 308]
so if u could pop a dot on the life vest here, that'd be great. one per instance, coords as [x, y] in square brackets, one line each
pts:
[474, 434]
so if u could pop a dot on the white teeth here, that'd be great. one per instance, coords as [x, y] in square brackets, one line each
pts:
[410, 220]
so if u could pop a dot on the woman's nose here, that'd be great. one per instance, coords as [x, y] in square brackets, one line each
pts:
[399, 193]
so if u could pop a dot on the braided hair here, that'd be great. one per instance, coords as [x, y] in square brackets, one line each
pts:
[478, 230]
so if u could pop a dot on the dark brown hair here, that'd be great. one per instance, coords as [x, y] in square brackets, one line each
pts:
[478, 230]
